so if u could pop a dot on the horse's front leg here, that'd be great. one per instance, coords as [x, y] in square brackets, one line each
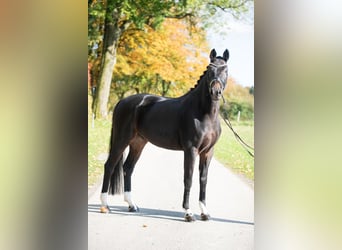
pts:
[204, 162]
[189, 160]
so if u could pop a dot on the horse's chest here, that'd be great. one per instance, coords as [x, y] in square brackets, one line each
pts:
[207, 134]
[209, 138]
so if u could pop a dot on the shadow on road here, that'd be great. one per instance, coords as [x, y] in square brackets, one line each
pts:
[158, 214]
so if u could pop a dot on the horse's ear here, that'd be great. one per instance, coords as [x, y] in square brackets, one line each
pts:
[226, 55]
[212, 55]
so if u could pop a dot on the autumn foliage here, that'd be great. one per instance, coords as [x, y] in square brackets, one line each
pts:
[166, 61]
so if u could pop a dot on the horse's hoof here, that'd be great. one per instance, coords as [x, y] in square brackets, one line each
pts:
[205, 217]
[105, 209]
[189, 218]
[133, 209]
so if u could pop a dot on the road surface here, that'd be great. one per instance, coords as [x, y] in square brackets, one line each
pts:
[157, 188]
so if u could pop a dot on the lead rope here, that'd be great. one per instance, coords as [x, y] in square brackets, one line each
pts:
[238, 138]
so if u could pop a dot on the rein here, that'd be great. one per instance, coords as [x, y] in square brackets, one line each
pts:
[247, 147]
[238, 138]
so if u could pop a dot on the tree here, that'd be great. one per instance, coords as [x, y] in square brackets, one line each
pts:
[121, 14]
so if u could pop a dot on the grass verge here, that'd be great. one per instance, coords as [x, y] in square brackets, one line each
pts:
[231, 153]
[98, 143]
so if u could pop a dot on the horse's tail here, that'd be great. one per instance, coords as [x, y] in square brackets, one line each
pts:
[117, 146]
[116, 179]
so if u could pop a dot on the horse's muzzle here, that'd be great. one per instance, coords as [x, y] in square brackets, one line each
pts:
[216, 90]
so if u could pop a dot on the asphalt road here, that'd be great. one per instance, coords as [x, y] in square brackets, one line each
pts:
[157, 185]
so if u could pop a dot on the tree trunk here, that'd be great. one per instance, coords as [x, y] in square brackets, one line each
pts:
[110, 41]
[111, 37]
[165, 87]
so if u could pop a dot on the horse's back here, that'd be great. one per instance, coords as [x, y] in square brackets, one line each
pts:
[159, 122]
[128, 106]
[127, 110]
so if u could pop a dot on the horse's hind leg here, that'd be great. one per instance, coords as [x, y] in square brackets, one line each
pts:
[112, 178]
[112, 173]
[135, 148]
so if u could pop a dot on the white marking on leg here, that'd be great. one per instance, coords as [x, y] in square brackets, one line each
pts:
[188, 211]
[103, 199]
[189, 216]
[203, 208]
[129, 200]
[125, 154]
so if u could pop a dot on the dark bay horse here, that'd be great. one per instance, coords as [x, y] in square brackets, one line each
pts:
[189, 123]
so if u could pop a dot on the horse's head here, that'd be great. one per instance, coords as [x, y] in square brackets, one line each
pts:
[217, 74]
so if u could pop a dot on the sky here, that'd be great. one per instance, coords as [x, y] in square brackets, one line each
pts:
[238, 38]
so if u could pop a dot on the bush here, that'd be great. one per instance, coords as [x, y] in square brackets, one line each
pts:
[230, 110]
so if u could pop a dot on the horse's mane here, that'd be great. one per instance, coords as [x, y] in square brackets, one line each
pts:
[198, 81]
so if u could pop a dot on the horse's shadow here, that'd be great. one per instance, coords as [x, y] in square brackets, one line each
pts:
[158, 214]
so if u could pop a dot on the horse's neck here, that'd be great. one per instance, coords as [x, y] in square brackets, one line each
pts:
[201, 98]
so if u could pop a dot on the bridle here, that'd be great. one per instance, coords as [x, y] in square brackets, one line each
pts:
[217, 79]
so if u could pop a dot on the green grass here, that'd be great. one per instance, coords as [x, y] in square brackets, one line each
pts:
[98, 143]
[231, 153]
